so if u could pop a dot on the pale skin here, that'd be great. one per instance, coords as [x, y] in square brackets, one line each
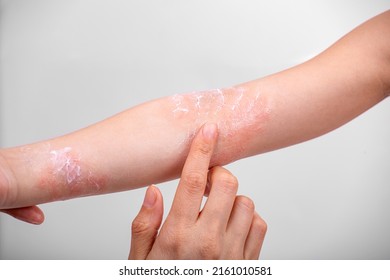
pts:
[149, 143]
[227, 227]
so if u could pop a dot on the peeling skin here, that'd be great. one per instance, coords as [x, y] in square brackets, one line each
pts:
[178, 100]
[65, 165]
[238, 112]
[66, 168]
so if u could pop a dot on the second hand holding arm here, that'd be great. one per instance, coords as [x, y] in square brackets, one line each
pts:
[148, 143]
[226, 228]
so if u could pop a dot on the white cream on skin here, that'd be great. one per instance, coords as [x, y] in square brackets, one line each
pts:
[178, 100]
[65, 165]
[229, 107]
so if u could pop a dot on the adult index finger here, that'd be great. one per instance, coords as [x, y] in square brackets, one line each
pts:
[189, 194]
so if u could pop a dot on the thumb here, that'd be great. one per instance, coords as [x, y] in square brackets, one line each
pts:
[144, 228]
[30, 214]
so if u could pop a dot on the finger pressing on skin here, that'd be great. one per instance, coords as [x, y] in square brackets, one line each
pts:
[145, 226]
[223, 190]
[31, 214]
[189, 194]
[255, 238]
[240, 222]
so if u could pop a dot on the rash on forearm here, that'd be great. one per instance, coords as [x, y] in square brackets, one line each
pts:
[238, 112]
[62, 172]
[67, 167]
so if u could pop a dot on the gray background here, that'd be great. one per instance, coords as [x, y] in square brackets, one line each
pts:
[67, 64]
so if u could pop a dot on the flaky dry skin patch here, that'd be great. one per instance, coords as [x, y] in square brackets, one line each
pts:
[65, 165]
[66, 174]
[238, 112]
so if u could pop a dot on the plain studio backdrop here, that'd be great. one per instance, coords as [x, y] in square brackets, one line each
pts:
[67, 64]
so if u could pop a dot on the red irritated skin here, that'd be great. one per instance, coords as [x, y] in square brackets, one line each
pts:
[121, 153]
[240, 115]
[149, 143]
[51, 173]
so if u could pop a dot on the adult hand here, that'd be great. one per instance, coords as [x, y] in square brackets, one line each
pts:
[226, 228]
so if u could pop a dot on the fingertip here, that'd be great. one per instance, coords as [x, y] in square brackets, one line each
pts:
[153, 206]
[150, 197]
[210, 130]
[144, 227]
[246, 202]
[260, 224]
[159, 196]
[255, 238]
[155, 189]
[31, 214]
[38, 217]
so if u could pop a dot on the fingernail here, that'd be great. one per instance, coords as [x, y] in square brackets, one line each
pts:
[38, 219]
[209, 130]
[36, 222]
[150, 197]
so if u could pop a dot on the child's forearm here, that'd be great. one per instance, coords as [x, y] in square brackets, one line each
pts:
[148, 143]
[143, 145]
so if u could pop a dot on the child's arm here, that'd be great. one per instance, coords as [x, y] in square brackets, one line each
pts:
[148, 143]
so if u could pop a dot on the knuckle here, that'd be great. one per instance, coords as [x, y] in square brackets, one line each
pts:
[139, 227]
[203, 149]
[193, 181]
[227, 182]
[246, 203]
[260, 225]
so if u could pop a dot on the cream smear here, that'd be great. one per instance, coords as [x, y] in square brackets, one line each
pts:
[64, 164]
[232, 109]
